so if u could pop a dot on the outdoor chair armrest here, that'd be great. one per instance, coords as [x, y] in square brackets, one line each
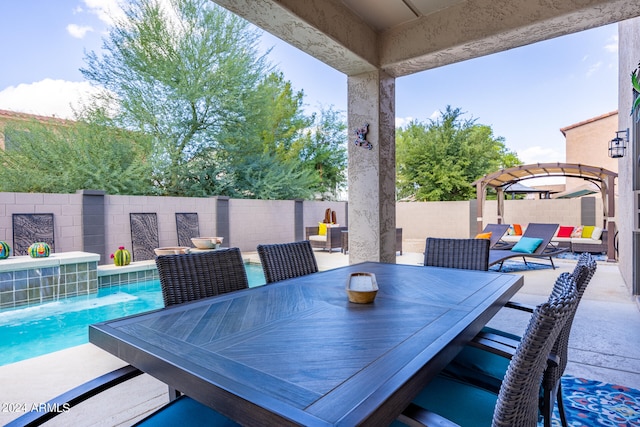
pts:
[416, 416]
[519, 306]
[496, 344]
[73, 397]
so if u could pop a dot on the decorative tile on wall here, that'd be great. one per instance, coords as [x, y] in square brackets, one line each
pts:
[31, 228]
[187, 227]
[144, 236]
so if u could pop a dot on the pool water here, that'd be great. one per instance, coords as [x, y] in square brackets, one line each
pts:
[45, 328]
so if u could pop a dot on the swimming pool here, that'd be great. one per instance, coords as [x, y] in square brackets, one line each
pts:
[36, 330]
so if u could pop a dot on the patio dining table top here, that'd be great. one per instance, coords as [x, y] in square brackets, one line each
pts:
[297, 352]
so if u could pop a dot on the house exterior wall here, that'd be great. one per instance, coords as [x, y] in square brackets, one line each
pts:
[587, 143]
[628, 180]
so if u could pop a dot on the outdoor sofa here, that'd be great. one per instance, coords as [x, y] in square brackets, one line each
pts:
[577, 239]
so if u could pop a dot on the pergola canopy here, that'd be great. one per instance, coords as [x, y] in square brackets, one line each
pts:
[604, 178]
[504, 177]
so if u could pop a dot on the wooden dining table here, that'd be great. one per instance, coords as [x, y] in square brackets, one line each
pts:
[297, 352]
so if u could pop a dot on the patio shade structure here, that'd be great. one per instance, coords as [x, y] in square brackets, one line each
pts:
[603, 178]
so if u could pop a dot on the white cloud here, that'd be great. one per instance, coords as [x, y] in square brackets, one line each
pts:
[538, 154]
[78, 31]
[106, 10]
[612, 46]
[403, 121]
[46, 98]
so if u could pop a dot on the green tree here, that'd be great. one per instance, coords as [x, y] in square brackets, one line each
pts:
[181, 75]
[40, 157]
[439, 160]
[222, 120]
[324, 150]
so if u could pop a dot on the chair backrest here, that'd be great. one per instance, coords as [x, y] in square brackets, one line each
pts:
[469, 254]
[583, 272]
[189, 277]
[497, 231]
[541, 231]
[517, 403]
[282, 261]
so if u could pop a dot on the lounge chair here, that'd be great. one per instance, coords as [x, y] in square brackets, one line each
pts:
[527, 247]
[497, 231]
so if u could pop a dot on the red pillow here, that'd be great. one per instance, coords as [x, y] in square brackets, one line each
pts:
[565, 231]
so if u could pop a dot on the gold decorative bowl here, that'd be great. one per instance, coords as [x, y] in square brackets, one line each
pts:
[207, 242]
[362, 288]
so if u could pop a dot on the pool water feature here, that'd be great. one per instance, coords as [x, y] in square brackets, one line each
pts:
[36, 330]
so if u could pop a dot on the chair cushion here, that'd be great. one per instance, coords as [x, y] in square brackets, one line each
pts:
[527, 245]
[587, 231]
[442, 393]
[484, 235]
[586, 240]
[565, 231]
[322, 229]
[577, 232]
[597, 233]
[478, 366]
[517, 229]
[317, 238]
[184, 412]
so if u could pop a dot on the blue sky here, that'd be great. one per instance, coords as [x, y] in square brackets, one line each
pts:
[526, 94]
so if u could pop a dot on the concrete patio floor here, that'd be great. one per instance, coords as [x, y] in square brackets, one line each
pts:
[604, 346]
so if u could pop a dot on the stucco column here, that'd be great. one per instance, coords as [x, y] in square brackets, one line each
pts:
[372, 172]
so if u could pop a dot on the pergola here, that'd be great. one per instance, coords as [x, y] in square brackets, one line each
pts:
[603, 178]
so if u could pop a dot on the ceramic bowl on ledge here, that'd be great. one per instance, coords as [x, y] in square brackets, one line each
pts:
[171, 250]
[207, 242]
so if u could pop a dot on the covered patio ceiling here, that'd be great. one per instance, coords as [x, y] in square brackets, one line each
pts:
[401, 37]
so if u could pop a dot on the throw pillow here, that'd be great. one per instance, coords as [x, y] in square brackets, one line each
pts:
[587, 231]
[577, 232]
[484, 235]
[565, 231]
[597, 233]
[322, 229]
[527, 245]
[517, 228]
[511, 231]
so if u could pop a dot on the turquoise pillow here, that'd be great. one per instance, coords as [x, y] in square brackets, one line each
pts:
[527, 245]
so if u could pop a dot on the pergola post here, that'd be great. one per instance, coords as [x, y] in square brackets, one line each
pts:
[480, 194]
[609, 206]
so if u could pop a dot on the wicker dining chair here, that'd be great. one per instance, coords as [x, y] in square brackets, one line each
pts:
[516, 403]
[468, 254]
[189, 277]
[474, 364]
[282, 261]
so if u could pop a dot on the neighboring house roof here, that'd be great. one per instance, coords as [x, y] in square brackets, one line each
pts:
[584, 122]
[6, 115]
